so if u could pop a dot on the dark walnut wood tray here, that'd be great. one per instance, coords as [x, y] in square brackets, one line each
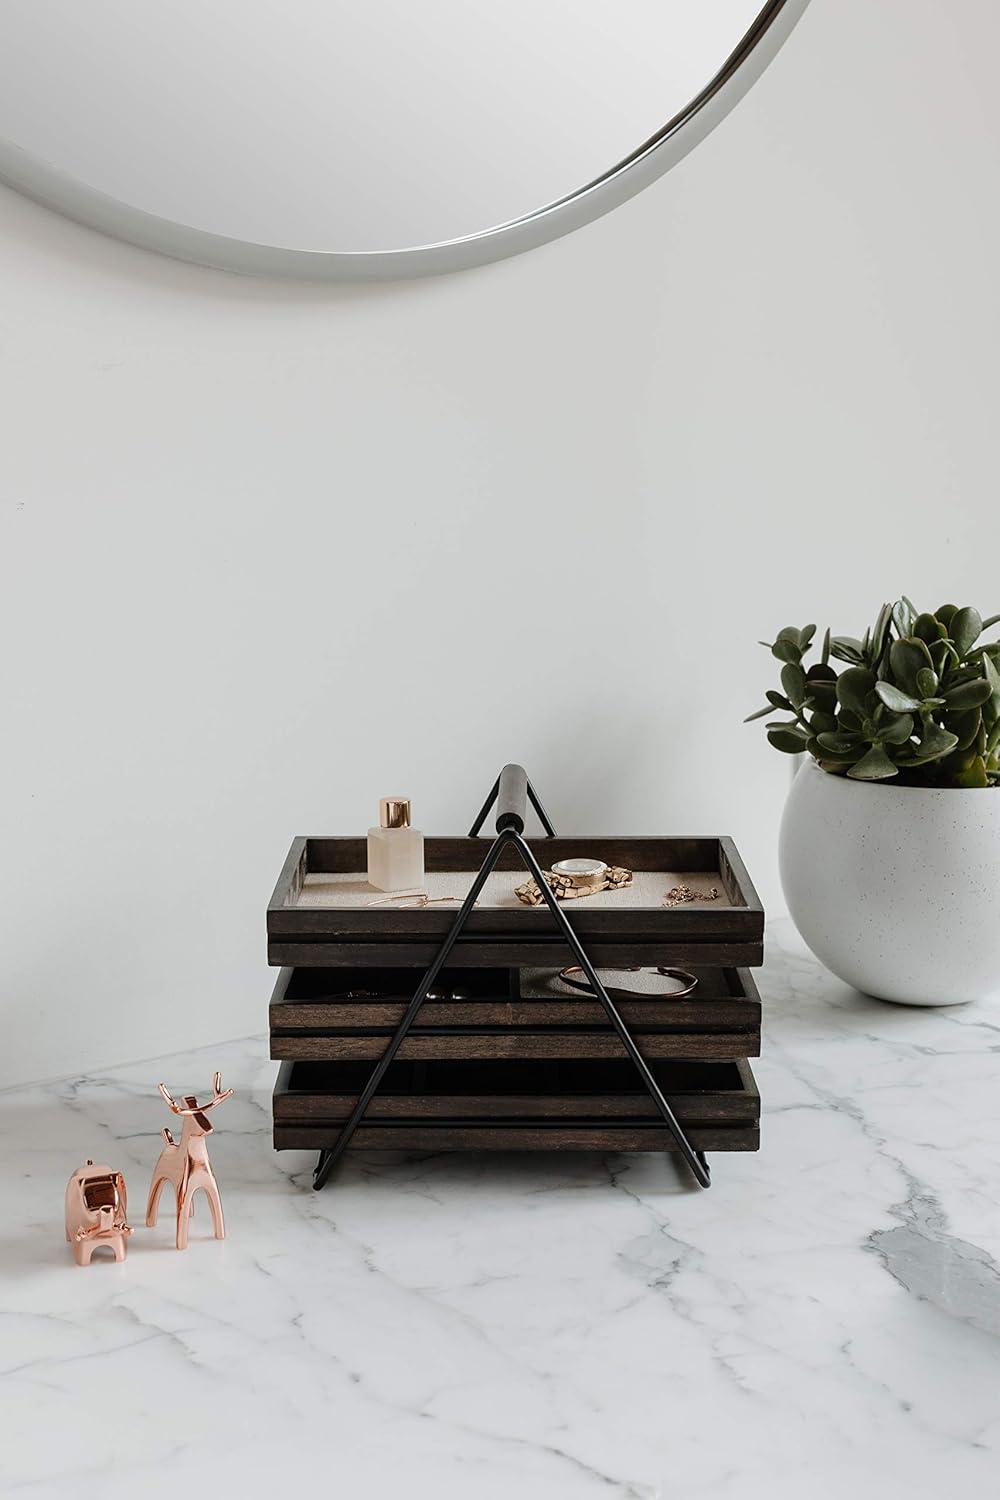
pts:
[563, 1105]
[349, 1014]
[321, 913]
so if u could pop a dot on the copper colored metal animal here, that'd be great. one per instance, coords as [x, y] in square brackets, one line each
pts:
[185, 1164]
[96, 1212]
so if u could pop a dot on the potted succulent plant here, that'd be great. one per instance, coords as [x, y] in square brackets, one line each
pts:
[890, 841]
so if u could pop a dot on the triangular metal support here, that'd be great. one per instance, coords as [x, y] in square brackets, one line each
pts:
[510, 793]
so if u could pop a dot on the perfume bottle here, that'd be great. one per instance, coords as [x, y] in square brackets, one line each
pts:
[395, 850]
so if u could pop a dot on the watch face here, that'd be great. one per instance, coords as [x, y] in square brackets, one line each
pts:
[580, 869]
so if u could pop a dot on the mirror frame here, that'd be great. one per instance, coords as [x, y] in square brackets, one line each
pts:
[55, 189]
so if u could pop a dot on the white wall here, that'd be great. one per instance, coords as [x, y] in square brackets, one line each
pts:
[271, 551]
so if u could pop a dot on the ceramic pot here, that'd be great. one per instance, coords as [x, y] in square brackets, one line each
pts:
[896, 888]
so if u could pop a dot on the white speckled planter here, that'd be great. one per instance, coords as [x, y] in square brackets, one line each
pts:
[895, 888]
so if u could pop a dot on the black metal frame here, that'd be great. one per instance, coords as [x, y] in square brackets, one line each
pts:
[511, 792]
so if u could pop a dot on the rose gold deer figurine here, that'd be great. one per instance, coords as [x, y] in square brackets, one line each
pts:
[185, 1163]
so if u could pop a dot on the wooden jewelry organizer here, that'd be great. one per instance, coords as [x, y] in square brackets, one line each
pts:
[446, 1028]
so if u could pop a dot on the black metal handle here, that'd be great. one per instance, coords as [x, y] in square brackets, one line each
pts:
[512, 799]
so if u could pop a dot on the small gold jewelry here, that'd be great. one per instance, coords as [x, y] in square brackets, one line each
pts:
[679, 895]
[416, 899]
[568, 888]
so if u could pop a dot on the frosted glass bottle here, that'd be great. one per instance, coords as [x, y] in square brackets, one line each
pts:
[395, 850]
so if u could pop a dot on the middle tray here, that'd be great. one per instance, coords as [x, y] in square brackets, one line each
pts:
[329, 1015]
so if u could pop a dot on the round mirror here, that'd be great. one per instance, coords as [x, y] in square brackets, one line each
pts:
[319, 138]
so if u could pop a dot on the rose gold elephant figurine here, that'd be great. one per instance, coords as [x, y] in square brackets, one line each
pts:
[185, 1163]
[96, 1212]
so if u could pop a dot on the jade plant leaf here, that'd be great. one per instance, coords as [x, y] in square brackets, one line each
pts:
[928, 629]
[902, 616]
[896, 729]
[875, 766]
[993, 678]
[853, 688]
[788, 739]
[934, 744]
[895, 699]
[973, 775]
[968, 694]
[841, 744]
[906, 658]
[786, 650]
[965, 628]
[821, 695]
[965, 726]
[927, 682]
[880, 633]
[793, 681]
[847, 648]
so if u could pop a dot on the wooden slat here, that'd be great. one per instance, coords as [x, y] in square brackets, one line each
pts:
[695, 852]
[736, 878]
[538, 953]
[644, 1015]
[461, 1136]
[726, 1109]
[289, 882]
[494, 1045]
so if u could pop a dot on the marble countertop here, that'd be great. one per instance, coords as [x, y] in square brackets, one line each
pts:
[825, 1321]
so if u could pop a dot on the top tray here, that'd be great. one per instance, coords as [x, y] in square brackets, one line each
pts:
[322, 910]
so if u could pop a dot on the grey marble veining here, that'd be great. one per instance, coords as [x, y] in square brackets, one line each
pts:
[825, 1321]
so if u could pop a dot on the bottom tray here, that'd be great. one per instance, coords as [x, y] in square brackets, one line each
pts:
[535, 1105]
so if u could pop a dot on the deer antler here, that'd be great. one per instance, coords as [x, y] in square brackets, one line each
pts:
[197, 1109]
[163, 1091]
[218, 1092]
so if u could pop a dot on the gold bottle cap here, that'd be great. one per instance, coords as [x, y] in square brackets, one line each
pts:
[394, 812]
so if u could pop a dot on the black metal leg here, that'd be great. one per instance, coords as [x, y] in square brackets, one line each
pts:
[542, 815]
[325, 1167]
[695, 1159]
[484, 810]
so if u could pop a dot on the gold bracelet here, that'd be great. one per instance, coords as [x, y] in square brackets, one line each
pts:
[568, 887]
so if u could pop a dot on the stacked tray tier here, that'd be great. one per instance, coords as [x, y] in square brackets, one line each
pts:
[531, 1105]
[323, 912]
[337, 1015]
